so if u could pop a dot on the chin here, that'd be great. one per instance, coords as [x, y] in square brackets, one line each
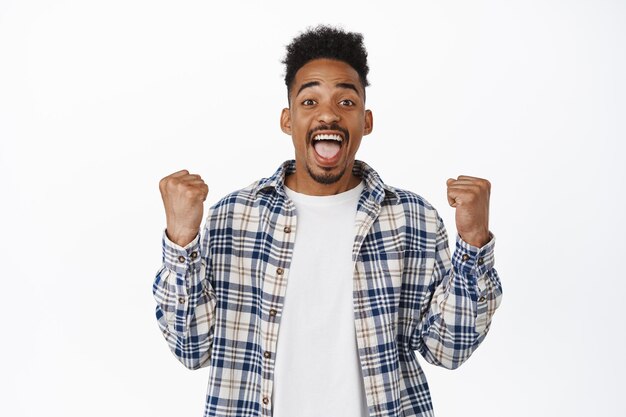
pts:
[325, 176]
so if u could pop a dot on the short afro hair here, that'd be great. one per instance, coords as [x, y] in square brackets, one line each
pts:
[326, 42]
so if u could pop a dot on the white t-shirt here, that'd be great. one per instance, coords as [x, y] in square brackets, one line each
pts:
[317, 369]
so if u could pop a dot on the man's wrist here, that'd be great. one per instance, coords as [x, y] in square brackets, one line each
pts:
[478, 240]
[181, 238]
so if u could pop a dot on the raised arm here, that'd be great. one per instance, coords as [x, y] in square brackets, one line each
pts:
[182, 288]
[466, 290]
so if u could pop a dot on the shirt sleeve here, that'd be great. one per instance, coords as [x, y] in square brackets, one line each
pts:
[465, 292]
[186, 301]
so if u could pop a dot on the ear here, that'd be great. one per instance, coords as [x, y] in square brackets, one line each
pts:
[369, 122]
[285, 121]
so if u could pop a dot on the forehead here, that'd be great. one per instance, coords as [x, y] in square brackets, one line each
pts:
[327, 71]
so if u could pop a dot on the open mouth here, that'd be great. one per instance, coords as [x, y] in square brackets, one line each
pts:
[327, 145]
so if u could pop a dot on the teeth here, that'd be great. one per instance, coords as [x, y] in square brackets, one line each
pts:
[328, 137]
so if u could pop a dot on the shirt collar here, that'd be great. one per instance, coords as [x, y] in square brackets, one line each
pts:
[377, 189]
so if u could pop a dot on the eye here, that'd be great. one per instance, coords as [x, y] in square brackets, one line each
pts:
[346, 102]
[308, 102]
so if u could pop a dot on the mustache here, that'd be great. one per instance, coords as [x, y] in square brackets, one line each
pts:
[332, 126]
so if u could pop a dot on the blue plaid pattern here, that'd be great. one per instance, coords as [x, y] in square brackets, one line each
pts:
[219, 299]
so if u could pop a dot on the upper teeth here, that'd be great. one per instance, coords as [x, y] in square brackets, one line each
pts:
[328, 137]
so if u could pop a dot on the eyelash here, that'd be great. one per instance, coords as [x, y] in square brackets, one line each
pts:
[351, 103]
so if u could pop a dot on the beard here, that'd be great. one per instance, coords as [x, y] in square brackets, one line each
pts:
[327, 177]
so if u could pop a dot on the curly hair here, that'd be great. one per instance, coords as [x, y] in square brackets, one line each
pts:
[326, 42]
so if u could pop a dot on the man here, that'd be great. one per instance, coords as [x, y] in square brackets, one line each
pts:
[309, 291]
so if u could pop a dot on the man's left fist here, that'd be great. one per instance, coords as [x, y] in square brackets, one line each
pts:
[470, 197]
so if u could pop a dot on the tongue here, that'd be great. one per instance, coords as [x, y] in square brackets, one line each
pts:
[327, 148]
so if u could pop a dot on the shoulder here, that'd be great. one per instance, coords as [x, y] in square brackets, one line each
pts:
[262, 192]
[237, 199]
[417, 211]
[395, 198]
[422, 223]
[412, 202]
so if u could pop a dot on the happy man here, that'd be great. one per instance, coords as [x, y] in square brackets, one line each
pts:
[308, 292]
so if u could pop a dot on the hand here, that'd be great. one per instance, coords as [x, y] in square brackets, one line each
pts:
[183, 196]
[470, 197]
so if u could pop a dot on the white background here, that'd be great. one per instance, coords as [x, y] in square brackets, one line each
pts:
[99, 100]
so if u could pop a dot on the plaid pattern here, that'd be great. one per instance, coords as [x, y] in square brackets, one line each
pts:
[219, 299]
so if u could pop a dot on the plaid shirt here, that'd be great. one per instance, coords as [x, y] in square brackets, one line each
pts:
[220, 299]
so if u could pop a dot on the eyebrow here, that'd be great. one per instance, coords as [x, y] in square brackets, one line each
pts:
[307, 85]
[348, 86]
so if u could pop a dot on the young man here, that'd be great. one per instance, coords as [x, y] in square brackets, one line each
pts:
[309, 291]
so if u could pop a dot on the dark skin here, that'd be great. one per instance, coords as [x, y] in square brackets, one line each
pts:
[325, 92]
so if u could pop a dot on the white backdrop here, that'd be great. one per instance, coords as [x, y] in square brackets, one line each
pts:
[101, 99]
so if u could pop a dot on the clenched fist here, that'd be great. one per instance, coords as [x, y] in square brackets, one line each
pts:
[183, 197]
[470, 197]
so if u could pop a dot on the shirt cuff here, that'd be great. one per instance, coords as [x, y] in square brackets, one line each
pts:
[181, 259]
[472, 261]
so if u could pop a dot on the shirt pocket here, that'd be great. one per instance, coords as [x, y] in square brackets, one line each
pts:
[380, 280]
[417, 266]
[383, 264]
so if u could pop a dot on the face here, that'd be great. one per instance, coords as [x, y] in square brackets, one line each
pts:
[326, 120]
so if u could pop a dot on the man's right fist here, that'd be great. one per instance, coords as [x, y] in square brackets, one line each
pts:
[183, 197]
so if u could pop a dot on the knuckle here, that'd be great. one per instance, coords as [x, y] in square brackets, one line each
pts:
[189, 192]
[173, 183]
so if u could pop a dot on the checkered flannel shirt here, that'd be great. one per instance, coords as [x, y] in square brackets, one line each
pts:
[220, 298]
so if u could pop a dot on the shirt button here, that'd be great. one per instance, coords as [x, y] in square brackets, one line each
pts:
[481, 299]
[267, 354]
[465, 257]
[481, 261]
[287, 229]
[266, 400]
[181, 300]
[194, 255]
[181, 259]
[279, 271]
[272, 312]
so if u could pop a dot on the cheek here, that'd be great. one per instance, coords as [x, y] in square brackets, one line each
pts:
[359, 125]
[298, 142]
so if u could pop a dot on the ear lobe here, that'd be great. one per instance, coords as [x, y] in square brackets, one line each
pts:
[285, 121]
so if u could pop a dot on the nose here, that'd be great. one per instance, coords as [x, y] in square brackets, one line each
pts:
[328, 114]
